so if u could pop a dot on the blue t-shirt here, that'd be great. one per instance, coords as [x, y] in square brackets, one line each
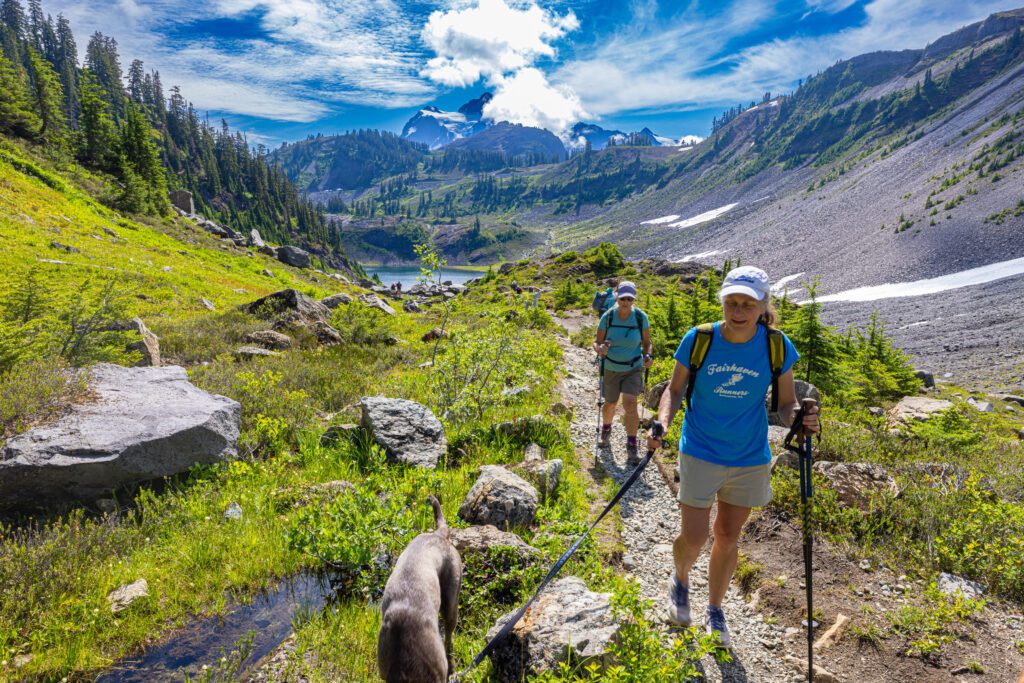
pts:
[625, 352]
[728, 424]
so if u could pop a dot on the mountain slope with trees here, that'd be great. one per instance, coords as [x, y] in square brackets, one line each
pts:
[133, 138]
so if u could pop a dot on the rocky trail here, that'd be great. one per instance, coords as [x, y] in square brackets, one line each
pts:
[650, 522]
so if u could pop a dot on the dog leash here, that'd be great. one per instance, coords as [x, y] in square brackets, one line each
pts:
[510, 624]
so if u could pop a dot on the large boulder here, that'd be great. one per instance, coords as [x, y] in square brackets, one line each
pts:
[408, 431]
[335, 300]
[148, 344]
[269, 339]
[545, 475]
[288, 301]
[374, 301]
[139, 424]
[567, 622]
[255, 239]
[501, 498]
[293, 256]
[915, 409]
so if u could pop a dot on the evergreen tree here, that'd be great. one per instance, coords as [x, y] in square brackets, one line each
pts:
[35, 25]
[102, 60]
[17, 116]
[66, 65]
[815, 342]
[13, 31]
[143, 160]
[49, 101]
[97, 136]
[136, 75]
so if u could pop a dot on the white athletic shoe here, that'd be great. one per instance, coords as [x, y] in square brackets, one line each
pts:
[678, 603]
[714, 622]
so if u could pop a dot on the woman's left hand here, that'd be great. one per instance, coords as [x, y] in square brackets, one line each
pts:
[648, 361]
[810, 422]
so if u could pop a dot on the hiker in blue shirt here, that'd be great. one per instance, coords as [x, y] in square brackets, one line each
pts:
[723, 451]
[624, 342]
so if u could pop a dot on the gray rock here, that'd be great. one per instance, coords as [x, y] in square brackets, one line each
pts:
[182, 200]
[207, 304]
[268, 250]
[654, 393]
[534, 453]
[234, 512]
[560, 410]
[288, 300]
[64, 247]
[411, 306]
[980, 406]
[267, 272]
[269, 339]
[803, 390]
[376, 302]
[1012, 398]
[876, 411]
[255, 240]
[141, 424]
[293, 256]
[148, 345]
[121, 598]
[915, 409]
[545, 475]
[854, 482]
[567, 622]
[325, 334]
[250, 352]
[433, 335]
[953, 585]
[335, 300]
[478, 539]
[408, 431]
[927, 378]
[501, 498]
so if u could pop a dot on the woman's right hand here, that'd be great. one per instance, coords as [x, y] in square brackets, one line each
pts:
[601, 349]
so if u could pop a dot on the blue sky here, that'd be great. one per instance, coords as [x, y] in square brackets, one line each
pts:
[284, 69]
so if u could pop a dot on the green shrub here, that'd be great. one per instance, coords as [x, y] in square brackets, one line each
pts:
[33, 391]
[604, 259]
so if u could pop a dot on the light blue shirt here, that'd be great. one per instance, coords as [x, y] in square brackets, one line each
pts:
[625, 352]
[728, 424]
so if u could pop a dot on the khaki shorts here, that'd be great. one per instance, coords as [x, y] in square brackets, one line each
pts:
[700, 480]
[630, 382]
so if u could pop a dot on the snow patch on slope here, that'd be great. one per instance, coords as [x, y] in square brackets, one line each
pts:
[964, 278]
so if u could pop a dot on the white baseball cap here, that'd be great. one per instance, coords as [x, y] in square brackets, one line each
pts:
[746, 280]
[626, 288]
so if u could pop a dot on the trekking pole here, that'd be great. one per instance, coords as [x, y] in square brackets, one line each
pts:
[804, 451]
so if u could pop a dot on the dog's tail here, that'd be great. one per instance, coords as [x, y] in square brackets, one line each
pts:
[439, 520]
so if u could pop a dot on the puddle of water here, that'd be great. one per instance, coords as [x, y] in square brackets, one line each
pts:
[964, 278]
[268, 617]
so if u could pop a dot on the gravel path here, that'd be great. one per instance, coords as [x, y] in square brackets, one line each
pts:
[650, 523]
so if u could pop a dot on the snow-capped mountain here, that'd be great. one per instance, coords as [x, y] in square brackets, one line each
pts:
[580, 134]
[436, 128]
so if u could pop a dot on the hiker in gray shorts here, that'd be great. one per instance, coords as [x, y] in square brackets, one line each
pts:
[624, 342]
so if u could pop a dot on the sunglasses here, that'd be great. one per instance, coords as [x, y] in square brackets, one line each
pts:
[627, 298]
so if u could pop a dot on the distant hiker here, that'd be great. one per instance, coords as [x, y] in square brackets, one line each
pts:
[516, 288]
[398, 287]
[624, 341]
[603, 300]
[724, 370]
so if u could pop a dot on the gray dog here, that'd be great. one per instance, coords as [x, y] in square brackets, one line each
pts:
[425, 581]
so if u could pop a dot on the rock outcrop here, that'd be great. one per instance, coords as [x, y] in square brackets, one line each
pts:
[293, 256]
[567, 622]
[501, 498]
[408, 431]
[478, 539]
[141, 424]
[288, 301]
[915, 409]
[269, 339]
[855, 482]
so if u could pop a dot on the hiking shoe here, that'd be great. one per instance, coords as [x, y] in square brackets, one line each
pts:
[606, 438]
[714, 622]
[632, 456]
[678, 602]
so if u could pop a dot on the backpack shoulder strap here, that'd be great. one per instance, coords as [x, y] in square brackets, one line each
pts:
[776, 359]
[701, 345]
[640, 315]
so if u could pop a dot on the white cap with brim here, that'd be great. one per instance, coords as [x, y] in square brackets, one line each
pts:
[747, 280]
[625, 288]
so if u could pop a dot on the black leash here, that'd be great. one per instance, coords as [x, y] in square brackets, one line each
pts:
[806, 502]
[510, 624]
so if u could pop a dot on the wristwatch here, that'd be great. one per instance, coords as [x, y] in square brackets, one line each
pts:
[648, 356]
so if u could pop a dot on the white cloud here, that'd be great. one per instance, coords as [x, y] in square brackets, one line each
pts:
[313, 53]
[502, 44]
[680, 66]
